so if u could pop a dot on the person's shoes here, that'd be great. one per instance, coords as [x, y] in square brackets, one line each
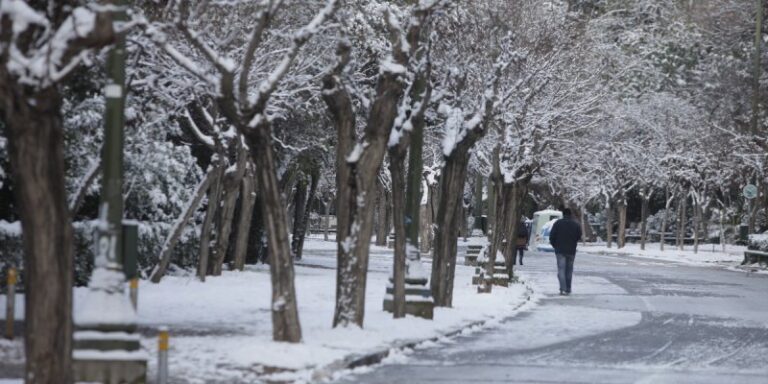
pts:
[562, 293]
[567, 293]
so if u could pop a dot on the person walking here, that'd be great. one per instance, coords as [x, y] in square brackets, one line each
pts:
[564, 237]
[522, 240]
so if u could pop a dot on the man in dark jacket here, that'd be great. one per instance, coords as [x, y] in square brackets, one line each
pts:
[563, 237]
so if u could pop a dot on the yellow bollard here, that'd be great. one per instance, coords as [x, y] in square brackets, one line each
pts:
[10, 303]
[162, 352]
[134, 292]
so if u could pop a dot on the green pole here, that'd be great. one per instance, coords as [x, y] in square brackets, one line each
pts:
[111, 208]
[757, 64]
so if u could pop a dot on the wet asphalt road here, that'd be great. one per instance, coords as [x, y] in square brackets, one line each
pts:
[629, 320]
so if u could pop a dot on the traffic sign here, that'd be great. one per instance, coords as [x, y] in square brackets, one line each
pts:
[749, 191]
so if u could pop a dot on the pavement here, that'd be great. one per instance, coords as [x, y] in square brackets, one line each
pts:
[629, 320]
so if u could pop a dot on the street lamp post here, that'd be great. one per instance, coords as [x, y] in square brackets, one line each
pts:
[106, 346]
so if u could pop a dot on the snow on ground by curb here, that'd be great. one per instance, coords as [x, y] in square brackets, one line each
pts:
[706, 256]
[221, 330]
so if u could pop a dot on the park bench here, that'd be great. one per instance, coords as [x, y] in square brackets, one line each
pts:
[752, 256]
[418, 298]
[500, 273]
[470, 257]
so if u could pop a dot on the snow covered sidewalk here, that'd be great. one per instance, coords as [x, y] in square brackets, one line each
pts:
[221, 330]
[708, 254]
[223, 327]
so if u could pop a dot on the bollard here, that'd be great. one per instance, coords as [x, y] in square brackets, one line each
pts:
[9, 303]
[134, 292]
[162, 352]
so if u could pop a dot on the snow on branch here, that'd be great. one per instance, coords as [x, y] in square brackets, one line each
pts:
[269, 85]
[54, 51]
[458, 128]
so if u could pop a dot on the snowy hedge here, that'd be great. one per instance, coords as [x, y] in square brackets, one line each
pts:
[758, 242]
[151, 238]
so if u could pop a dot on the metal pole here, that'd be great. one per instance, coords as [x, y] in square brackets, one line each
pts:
[134, 292]
[111, 209]
[10, 303]
[162, 351]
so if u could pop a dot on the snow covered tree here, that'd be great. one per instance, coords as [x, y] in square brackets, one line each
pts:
[41, 43]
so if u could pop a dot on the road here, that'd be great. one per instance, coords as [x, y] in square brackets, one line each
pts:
[628, 320]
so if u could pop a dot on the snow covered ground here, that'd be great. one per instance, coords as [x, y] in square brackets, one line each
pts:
[707, 255]
[221, 329]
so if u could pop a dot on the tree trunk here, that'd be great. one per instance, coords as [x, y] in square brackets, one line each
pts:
[85, 184]
[300, 228]
[35, 133]
[356, 181]
[210, 214]
[722, 227]
[382, 230]
[178, 228]
[753, 209]
[396, 165]
[225, 220]
[696, 222]
[425, 227]
[497, 208]
[608, 223]
[299, 206]
[463, 221]
[668, 203]
[247, 200]
[327, 219]
[683, 220]
[479, 203]
[285, 316]
[621, 238]
[452, 180]
[644, 220]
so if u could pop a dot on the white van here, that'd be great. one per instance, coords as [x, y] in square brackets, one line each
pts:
[542, 222]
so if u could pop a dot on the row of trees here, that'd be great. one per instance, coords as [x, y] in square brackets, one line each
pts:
[246, 117]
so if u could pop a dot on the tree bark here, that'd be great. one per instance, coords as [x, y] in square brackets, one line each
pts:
[382, 230]
[85, 184]
[696, 222]
[621, 238]
[452, 180]
[608, 223]
[425, 227]
[247, 200]
[396, 165]
[643, 220]
[299, 206]
[178, 228]
[285, 316]
[210, 214]
[35, 133]
[226, 217]
[327, 219]
[497, 204]
[668, 203]
[683, 220]
[300, 228]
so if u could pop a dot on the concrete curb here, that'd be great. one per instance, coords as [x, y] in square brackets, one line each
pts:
[377, 356]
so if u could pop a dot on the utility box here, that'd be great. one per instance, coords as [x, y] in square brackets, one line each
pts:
[743, 234]
[130, 249]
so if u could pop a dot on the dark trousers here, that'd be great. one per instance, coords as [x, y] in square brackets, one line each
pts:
[565, 271]
[520, 251]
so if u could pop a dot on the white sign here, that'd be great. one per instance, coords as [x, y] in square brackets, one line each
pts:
[749, 191]
[113, 91]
